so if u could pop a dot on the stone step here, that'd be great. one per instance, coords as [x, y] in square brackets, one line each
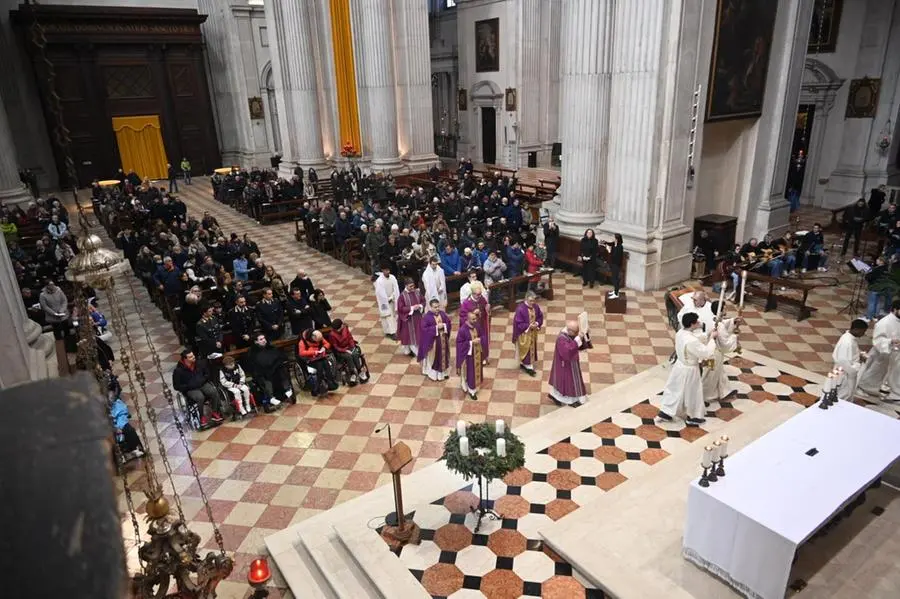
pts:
[335, 563]
[302, 573]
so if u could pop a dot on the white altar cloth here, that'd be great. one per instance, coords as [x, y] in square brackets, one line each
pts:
[746, 527]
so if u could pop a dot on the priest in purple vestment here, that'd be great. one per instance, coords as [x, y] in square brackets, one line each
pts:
[434, 342]
[527, 321]
[469, 352]
[410, 307]
[566, 384]
[477, 302]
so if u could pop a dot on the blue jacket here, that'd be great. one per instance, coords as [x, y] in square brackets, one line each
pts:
[169, 279]
[240, 269]
[98, 319]
[118, 412]
[514, 259]
[482, 255]
[450, 262]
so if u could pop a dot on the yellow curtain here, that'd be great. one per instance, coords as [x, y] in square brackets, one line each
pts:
[345, 75]
[141, 145]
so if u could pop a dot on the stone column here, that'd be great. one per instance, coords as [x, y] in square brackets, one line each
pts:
[584, 112]
[26, 353]
[296, 91]
[412, 57]
[12, 191]
[377, 81]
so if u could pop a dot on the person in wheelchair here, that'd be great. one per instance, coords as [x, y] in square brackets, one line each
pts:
[233, 380]
[347, 351]
[127, 439]
[267, 365]
[192, 379]
[315, 354]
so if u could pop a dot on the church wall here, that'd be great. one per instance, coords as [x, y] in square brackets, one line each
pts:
[252, 32]
[444, 69]
[721, 178]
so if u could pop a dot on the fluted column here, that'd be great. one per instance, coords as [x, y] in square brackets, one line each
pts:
[584, 112]
[377, 81]
[11, 189]
[412, 58]
[633, 128]
[296, 92]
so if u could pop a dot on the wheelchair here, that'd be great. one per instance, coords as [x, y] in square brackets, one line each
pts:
[191, 414]
[307, 376]
[343, 373]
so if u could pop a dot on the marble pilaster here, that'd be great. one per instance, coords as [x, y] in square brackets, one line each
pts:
[296, 91]
[584, 112]
[26, 354]
[11, 189]
[412, 57]
[377, 81]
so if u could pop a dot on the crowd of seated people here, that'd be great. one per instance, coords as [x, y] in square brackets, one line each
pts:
[223, 300]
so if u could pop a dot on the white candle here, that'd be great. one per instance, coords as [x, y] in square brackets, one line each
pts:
[706, 461]
[721, 298]
[501, 447]
[723, 453]
[461, 428]
[500, 426]
[716, 450]
[743, 288]
[829, 380]
[464, 446]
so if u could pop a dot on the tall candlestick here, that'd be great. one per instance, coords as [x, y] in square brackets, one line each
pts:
[743, 288]
[501, 448]
[723, 452]
[464, 446]
[500, 426]
[706, 461]
[721, 299]
[829, 380]
[716, 450]
[461, 428]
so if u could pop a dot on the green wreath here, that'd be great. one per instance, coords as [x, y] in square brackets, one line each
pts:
[489, 465]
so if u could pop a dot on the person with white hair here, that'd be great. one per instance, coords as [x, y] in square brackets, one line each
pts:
[698, 303]
[566, 382]
[478, 304]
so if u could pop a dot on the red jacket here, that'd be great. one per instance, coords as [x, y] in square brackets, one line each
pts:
[342, 340]
[532, 262]
[309, 350]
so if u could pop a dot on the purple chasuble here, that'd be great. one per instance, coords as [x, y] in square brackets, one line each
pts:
[565, 375]
[408, 324]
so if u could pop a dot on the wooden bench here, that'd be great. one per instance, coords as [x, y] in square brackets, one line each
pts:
[773, 298]
[270, 212]
[511, 285]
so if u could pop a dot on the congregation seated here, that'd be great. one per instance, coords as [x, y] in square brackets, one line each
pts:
[193, 379]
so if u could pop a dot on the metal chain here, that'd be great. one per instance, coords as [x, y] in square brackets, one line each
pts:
[167, 393]
[120, 469]
[151, 411]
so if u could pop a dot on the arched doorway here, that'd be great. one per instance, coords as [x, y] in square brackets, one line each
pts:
[272, 112]
[817, 95]
[486, 99]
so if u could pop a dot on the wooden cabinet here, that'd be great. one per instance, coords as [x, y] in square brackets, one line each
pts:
[721, 228]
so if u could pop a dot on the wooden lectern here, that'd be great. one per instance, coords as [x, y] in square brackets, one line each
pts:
[406, 531]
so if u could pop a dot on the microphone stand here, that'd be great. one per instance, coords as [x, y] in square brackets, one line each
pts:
[391, 519]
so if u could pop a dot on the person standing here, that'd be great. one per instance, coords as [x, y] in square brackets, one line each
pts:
[477, 302]
[469, 356]
[435, 282]
[298, 312]
[243, 322]
[566, 382]
[434, 342]
[386, 294]
[270, 316]
[173, 177]
[209, 334]
[528, 320]
[186, 170]
[684, 389]
[884, 359]
[410, 307]
[551, 240]
[854, 219]
[846, 355]
[55, 305]
[715, 382]
[616, 259]
[588, 252]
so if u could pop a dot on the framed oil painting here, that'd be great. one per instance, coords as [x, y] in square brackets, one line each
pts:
[487, 45]
[510, 99]
[740, 61]
[462, 100]
[256, 107]
[823, 32]
[862, 101]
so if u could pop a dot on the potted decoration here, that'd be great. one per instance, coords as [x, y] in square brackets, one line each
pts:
[349, 152]
[486, 451]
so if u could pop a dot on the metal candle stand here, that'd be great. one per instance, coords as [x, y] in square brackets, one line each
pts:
[714, 461]
[483, 508]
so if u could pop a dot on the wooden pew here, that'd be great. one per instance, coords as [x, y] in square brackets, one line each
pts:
[509, 286]
[773, 297]
[567, 254]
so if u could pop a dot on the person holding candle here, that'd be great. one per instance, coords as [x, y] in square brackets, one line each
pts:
[410, 307]
[846, 355]
[434, 342]
[566, 383]
[684, 388]
[469, 351]
[883, 363]
[528, 320]
[716, 386]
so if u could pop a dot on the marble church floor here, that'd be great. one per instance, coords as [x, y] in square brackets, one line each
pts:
[267, 473]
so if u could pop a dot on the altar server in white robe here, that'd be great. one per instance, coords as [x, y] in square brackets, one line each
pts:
[683, 392]
[884, 359]
[387, 292]
[435, 282]
[846, 354]
[716, 386]
[698, 303]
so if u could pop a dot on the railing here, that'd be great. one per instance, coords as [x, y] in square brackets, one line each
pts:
[445, 146]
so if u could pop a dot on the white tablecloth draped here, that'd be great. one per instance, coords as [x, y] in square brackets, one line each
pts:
[746, 527]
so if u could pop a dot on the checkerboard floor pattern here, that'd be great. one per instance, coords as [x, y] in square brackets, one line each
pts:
[272, 471]
[507, 558]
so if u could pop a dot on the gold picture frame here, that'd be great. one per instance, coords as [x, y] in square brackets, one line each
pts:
[862, 101]
[256, 108]
[511, 97]
[462, 100]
